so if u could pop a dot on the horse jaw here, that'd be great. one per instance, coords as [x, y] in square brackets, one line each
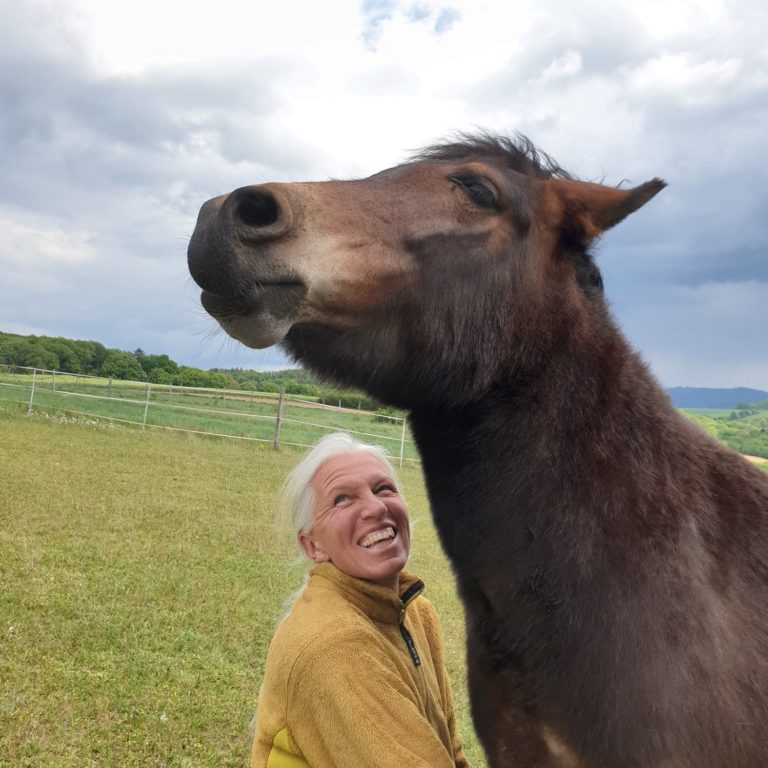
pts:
[258, 332]
[261, 318]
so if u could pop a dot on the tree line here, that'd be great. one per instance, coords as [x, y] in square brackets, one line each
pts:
[744, 410]
[56, 353]
[300, 382]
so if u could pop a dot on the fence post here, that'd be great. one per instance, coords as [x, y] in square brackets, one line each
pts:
[146, 407]
[54, 381]
[279, 419]
[32, 394]
[110, 386]
[402, 444]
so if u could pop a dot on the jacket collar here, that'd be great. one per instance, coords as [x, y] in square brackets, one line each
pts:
[379, 603]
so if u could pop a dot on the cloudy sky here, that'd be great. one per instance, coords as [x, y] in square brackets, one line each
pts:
[117, 120]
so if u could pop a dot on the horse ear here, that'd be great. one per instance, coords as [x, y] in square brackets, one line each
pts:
[587, 210]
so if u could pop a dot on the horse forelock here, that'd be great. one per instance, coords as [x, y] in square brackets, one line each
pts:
[517, 153]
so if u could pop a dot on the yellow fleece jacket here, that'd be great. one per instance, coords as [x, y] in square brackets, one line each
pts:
[355, 678]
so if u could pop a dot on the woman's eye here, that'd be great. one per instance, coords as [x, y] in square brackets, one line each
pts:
[386, 488]
[480, 194]
[340, 499]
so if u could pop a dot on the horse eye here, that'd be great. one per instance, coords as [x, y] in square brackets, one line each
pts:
[479, 193]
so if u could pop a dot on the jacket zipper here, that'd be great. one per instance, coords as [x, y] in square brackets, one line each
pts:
[408, 595]
[409, 641]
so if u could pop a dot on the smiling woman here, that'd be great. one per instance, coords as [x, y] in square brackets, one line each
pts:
[361, 523]
[355, 674]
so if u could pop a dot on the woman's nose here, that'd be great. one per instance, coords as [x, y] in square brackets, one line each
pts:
[373, 505]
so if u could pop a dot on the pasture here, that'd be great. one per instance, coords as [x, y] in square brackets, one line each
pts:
[141, 582]
[227, 413]
[747, 435]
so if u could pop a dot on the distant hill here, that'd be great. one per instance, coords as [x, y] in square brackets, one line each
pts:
[702, 397]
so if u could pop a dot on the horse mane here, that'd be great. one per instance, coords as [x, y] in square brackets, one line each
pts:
[517, 153]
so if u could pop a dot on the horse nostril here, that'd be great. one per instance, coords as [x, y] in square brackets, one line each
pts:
[256, 207]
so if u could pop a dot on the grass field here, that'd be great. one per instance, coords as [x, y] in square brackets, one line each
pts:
[747, 435]
[236, 414]
[712, 413]
[140, 583]
[251, 416]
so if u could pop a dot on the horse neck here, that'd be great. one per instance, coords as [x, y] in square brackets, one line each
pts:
[575, 393]
[537, 447]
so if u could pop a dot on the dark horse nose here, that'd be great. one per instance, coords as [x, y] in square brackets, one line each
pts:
[223, 253]
[258, 213]
[255, 207]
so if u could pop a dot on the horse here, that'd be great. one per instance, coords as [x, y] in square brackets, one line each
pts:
[612, 559]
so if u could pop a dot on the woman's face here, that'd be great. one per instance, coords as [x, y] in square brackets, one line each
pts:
[361, 522]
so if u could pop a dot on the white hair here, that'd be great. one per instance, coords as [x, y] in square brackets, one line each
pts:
[298, 497]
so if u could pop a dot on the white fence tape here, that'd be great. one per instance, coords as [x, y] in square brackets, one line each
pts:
[51, 390]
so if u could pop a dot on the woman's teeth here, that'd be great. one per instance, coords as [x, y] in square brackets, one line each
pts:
[385, 534]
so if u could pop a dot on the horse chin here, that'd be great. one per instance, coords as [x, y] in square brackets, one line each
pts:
[258, 330]
[259, 319]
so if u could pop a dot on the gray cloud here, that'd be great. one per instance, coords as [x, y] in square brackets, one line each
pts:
[101, 175]
[121, 165]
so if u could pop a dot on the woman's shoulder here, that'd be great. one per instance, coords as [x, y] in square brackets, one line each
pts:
[312, 644]
[318, 619]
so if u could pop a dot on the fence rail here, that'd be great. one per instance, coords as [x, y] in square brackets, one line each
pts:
[261, 417]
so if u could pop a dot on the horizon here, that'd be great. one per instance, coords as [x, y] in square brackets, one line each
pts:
[118, 126]
[298, 366]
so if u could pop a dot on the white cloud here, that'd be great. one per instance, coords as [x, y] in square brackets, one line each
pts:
[149, 35]
[694, 82]
[567, 65]
[668, 22]
[118, 121]
[37, 243]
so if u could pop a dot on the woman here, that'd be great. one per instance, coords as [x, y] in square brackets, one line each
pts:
[354, 675]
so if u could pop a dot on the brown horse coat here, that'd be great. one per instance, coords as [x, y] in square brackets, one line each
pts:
[612, 559]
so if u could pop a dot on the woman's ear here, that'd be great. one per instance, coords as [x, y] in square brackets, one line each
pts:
[312, 549]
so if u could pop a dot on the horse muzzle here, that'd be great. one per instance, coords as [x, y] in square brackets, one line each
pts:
[244, 288]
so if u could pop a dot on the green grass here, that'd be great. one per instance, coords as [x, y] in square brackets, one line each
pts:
[713, 413]
[251, 416]
[746, 435]
[242, 414]
[140, 583]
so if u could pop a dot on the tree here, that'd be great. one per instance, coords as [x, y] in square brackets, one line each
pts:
[122, 365]
[33, 353]
[192, 377]
[149, 362]
[221, 381]
[67, 353]
[160, 376]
